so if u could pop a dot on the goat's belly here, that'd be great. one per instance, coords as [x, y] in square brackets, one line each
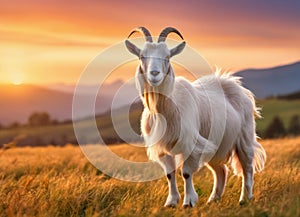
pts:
[227, 144]
[223, 153]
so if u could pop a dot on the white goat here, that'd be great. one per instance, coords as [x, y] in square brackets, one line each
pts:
[179, 116]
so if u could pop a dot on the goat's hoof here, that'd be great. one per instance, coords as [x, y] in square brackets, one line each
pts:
[246, 201]
[216, 201]
[172, 201]
[242, 202]
[190, 205]
[190, 200]
[185, 206]
[171, 205]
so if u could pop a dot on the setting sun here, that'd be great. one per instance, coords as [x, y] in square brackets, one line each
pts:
[17, 79]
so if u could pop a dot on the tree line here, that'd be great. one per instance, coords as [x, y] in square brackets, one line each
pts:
[35, 119]
[276, 128]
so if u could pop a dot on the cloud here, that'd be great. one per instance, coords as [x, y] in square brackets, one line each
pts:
[60, 34]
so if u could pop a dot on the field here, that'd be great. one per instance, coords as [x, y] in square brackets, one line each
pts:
[285, 109]
[59, 181]
[64, 132]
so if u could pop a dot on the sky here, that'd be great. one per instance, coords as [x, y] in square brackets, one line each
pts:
[52, 41]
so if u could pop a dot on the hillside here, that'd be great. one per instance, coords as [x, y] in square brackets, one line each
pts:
[274, 81]
[56, 181]
[18, 102]
[64, 133]
[292, 96]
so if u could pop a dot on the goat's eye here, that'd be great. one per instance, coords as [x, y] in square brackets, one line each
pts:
[142, 57]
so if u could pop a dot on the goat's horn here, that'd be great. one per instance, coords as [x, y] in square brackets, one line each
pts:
[165, 32]
[143, 30]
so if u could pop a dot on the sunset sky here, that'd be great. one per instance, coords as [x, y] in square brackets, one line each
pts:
[51, 41]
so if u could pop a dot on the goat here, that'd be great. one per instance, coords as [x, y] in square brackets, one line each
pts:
[179, 116]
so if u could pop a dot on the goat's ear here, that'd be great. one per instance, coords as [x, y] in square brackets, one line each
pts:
[176, 50]
[132, 48]
[140, 81]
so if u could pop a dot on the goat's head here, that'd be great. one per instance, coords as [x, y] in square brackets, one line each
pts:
[155, 56]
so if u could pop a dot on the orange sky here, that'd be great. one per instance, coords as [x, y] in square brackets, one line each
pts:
[51, 41]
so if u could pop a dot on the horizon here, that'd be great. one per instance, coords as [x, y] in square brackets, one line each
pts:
[52, 42]
[118, 79]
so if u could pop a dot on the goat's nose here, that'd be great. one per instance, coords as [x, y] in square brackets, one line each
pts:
[154, 73]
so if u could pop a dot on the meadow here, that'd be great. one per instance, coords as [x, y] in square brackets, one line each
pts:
[60, 181]
[283, 108]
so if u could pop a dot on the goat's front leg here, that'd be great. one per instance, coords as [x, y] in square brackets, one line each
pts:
[190, 166]
[168, 164]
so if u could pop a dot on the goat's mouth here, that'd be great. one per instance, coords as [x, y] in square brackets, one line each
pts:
[155, 82]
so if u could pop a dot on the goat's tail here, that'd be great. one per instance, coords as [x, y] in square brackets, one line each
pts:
[256, 110]
[258, 160]
[259, 157]
[235, 164]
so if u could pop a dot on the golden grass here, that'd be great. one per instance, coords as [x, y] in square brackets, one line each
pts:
[55, 181]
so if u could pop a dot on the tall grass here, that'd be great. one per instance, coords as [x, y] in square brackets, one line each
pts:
[55, 181]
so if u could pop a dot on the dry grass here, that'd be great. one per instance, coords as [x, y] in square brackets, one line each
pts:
[56, 181]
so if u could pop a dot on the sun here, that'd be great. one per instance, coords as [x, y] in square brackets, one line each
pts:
[17, 79]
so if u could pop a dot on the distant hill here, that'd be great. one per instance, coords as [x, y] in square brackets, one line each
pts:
[291, 96]
[274, 81]
[19, 102]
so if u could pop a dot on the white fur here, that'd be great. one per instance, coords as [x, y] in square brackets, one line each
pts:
[206, 122]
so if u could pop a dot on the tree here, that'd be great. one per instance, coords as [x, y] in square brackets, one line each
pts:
[275, 129]
[55, 122]
[39, 119]
[14, 125]
[294, 127]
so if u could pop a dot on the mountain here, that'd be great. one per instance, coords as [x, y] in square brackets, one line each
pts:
[87, 89]
[19, 102]
[274, 81]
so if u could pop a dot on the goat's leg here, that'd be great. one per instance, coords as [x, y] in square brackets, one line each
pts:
[190, 166]
[247, 183]
[246, 154]
[168, 164]
[220, 176]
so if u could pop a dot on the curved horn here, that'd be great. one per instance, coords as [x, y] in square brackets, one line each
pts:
[143, 30]
[166, 31]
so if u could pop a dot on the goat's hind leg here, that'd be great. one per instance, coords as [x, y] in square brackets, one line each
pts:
[247, 183]
[246, 154]
[220, 177]
[169, 166]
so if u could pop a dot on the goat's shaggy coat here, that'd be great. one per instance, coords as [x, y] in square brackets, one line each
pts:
[206, 122]
[189, 103]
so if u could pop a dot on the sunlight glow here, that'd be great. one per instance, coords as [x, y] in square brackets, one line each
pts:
[17, 79]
